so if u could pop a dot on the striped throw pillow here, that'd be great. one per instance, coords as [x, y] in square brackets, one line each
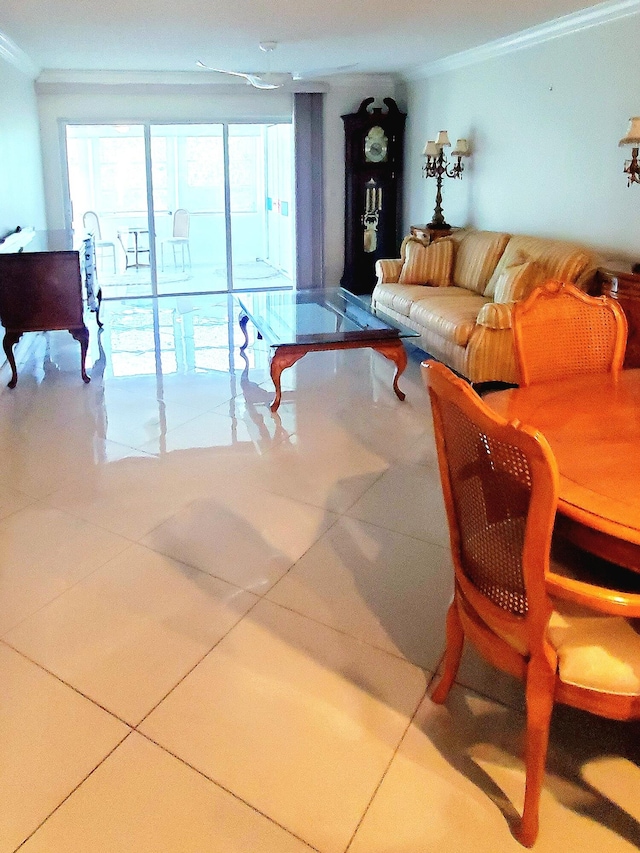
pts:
[517, 282]
[427, 264]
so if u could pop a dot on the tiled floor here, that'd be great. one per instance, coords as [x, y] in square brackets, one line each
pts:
[218, 625]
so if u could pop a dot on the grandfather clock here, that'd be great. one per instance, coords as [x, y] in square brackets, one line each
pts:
[374, 140]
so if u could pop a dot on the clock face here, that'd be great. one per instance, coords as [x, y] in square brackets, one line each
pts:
[376, 146]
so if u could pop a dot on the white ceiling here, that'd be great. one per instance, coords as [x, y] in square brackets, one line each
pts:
[165, 35]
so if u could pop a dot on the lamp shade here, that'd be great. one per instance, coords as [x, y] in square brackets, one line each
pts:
[633, 132]
[443, 139]
[431, 149]
[461, 149]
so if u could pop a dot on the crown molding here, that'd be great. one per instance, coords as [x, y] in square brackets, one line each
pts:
[595, 16]
[13, 55]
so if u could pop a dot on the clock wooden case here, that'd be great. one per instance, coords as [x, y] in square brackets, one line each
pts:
[374, 142]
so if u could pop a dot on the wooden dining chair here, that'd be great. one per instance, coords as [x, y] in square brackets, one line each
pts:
[568, 639]
[560, 331]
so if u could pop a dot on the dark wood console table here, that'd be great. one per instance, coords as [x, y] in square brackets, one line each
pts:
[624, 286]
[41, 283]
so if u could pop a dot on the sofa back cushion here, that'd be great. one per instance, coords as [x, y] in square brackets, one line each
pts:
[430, 264]
[516, 282]
[477, 254]
[559, 260]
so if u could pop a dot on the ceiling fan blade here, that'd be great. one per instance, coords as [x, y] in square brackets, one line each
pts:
[256, 80]
[323, 72]
[224, 71]
[265, 81]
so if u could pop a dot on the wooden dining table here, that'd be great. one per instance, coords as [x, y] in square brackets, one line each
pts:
[592, 424]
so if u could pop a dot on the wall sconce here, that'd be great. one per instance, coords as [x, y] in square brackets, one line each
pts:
[437, 166]
[632, 167]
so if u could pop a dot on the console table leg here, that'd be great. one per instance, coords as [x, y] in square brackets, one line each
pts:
[395, 352]
[243, 320]
[99, 298]
[10, 339]
[82, 336]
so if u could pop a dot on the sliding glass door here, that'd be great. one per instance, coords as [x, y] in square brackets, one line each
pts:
[106, 165]
[186, 208]
[188, 176]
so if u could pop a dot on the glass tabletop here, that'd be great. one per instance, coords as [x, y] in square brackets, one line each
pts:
[290, 317]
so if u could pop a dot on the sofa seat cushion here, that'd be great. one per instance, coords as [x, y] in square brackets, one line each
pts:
[399, 297]
[558, 259]
[477, 254]
[430, 264]
[453, 319]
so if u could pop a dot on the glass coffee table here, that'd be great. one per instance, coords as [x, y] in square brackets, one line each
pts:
[295, 322]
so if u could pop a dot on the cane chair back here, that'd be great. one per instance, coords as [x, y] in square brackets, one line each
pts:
[500, 485]
[500, 489]
[559, 332]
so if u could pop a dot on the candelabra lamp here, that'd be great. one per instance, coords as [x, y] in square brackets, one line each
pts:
[632, 167]
[438, 166]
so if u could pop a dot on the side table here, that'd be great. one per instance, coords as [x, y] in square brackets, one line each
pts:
[624, 286]
[429, 234]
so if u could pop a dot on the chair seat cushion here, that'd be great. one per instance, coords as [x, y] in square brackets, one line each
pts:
[596, 651]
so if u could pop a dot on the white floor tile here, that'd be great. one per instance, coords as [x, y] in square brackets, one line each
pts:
[52, 738]
[142, 800]
[130, 631]
[390, 590]
[407, 499]
[296, 719]
[247, 537]
[331, 510]
[44, 552]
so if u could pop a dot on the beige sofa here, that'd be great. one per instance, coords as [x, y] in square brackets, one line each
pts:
[459, 297]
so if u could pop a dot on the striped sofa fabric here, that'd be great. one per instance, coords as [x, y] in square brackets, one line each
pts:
[459, 296]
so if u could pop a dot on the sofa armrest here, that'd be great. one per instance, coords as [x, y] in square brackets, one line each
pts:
[388, 271]
[495, 315]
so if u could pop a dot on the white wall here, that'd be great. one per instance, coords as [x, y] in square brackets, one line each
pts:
[544, 123]
[21, 190]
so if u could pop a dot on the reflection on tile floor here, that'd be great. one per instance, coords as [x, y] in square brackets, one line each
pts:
[218, 625]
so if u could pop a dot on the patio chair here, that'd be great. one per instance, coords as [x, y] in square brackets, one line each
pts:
[180, 239]
[568, 639]
[91, 223]
[560, 331]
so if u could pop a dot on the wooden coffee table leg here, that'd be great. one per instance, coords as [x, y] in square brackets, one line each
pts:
[395, 352]
[283, 357]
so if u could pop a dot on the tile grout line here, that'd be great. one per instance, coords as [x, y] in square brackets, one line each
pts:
[395, 753]
[227, 790]
[64, 800]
